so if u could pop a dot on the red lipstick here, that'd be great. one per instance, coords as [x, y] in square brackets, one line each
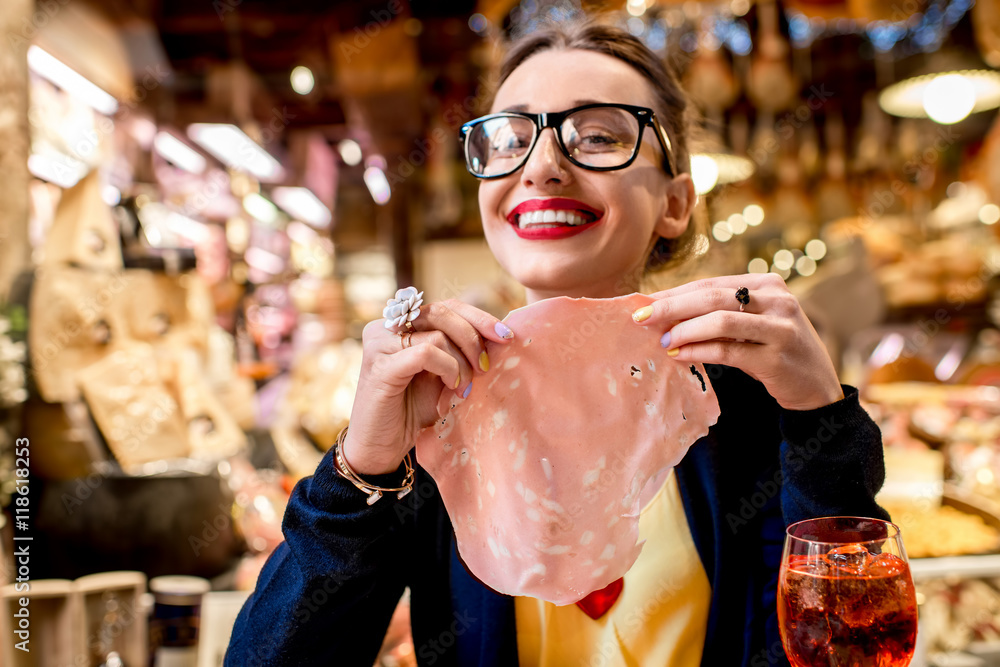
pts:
[554, 204]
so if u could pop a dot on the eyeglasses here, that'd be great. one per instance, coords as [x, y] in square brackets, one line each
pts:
[598, 137]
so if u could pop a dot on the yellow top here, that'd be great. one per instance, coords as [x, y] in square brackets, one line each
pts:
[660, 618]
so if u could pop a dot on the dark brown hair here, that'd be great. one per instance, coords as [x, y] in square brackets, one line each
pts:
[670, 100]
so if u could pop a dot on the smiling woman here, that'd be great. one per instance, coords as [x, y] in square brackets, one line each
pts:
[584, 185]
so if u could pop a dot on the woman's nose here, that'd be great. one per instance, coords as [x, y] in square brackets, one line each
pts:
[546, 163]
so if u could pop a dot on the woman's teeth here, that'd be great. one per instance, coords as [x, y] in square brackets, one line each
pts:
[550, 217]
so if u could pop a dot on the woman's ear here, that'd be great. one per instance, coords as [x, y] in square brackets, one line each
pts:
[680, 202]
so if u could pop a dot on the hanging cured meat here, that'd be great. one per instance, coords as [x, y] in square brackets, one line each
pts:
[544, 467]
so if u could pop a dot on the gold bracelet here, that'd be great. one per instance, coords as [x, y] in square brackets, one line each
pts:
[374, 492]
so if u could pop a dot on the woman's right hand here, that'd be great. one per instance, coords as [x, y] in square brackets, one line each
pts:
[398, 390]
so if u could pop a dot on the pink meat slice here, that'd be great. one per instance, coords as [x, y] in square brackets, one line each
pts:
[544, 467]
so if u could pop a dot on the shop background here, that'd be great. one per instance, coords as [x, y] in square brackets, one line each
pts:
[204, 203]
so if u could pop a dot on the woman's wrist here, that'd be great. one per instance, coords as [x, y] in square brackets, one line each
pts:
[816, 401]
[364, 463]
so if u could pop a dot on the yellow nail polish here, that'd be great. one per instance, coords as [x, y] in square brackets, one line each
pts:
[674, 352]
[458, 381]
[484, 361]
[642, 314]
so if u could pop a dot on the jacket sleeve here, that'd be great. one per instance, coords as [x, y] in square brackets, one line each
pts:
[326, 594]
[831, 461]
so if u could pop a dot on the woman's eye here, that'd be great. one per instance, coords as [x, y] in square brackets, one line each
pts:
[510, 143]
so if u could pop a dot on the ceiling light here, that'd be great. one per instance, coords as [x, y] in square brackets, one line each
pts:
[945, 97]
[235, 149]
[261, 209]
[265, 261]
[711, 169]
[177, 152]
[377, 184]
[704, 173]
[57, 169]
[350, 152]
[302, 80]
[301, 203]
[48, 67]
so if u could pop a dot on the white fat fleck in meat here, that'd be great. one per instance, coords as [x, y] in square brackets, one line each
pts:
[555, 549]
[519, 457]
[463, 456]
[612, 387]
[651, 408]
[512, 362]
[651, 364]
[493, 547]
[533, 514]
[592, 476]
[586, 538]
[499, 419]
[529, 496]
[446, 446]
[538, 569]
[491, 488]
[479, 503]
[515, 384]
[599, 571]
[608, 553]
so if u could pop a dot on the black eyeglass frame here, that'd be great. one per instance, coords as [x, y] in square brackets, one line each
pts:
[645, 116]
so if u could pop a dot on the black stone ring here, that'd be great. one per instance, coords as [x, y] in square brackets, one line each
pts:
[743, 296]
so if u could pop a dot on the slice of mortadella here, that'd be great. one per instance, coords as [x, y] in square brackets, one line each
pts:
[544, 467]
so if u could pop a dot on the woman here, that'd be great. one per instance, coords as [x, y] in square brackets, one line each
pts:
[790, 443]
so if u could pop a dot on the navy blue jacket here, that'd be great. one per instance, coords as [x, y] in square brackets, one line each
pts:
[327, 593]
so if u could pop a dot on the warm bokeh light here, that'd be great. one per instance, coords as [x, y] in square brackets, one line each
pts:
[704, 172]
[753, 214]
[302, 80]
[949, 99]
[816, 249]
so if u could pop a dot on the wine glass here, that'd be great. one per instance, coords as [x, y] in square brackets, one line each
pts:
[845, 594]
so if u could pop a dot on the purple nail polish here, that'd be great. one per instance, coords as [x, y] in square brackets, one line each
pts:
[503, 330]
[465, 394]
[665, 340]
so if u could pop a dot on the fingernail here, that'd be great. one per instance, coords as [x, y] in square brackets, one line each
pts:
[642, 314]
[484, 361]
[465, 394]
[665, 340]
[503, 330]
[674, 352]
[458, 381]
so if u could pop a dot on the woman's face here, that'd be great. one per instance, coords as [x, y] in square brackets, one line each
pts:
[631, 207]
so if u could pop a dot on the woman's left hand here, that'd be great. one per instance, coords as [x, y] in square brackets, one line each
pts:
[772, 340]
